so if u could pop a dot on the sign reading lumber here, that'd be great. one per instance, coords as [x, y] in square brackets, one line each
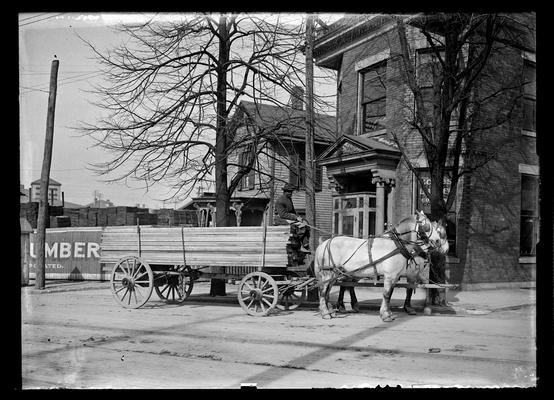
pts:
[72, 253]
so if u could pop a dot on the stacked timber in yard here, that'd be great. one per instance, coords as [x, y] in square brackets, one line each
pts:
[29, 211]
[171, 217]
[109, 216]
[199, 247]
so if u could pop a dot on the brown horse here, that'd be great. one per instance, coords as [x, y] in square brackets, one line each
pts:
[403, 246]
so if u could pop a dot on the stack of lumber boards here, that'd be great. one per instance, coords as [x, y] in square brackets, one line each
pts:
[171, 217]
[220, 246]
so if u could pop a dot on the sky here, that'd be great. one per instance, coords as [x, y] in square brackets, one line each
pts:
[44, 37]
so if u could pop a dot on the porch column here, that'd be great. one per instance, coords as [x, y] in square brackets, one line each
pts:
[380, 214]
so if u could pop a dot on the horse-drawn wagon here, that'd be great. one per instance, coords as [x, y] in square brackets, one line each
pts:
[273, 273]
[167, 260]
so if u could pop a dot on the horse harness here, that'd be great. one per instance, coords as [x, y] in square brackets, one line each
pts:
[400, 249]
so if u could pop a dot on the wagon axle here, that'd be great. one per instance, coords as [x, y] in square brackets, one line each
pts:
[255, 294]
[128, 283]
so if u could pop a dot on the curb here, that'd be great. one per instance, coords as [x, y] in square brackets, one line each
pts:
[64, 289]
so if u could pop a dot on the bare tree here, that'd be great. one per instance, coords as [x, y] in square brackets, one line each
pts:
[174, 88]
[456, 88]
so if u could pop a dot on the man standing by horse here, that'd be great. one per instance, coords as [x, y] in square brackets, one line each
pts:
[285, 214]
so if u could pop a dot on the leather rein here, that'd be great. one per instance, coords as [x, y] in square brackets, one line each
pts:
[392, 234]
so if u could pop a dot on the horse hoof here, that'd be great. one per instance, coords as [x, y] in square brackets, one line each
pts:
[355, 308]
[327, 316]
[339, 307]
[410, 310]
[387, 319]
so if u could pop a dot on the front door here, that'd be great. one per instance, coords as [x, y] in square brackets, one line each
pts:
[354, 214]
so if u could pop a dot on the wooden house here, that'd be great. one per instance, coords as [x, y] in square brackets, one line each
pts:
[279, 135]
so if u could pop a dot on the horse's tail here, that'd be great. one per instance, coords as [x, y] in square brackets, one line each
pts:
[319, 257]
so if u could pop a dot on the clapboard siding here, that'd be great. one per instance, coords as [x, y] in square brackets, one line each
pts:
[323, 198]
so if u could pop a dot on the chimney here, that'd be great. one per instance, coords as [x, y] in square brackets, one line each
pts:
[297, 98]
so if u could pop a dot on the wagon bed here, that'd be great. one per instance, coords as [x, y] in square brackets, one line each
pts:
[168, 260]
[199, 247]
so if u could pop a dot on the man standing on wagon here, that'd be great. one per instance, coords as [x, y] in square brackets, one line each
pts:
[285, 214]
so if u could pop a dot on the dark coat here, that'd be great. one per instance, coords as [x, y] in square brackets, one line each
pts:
[284, 209]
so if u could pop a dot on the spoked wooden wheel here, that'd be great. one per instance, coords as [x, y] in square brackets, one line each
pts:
[258, 293]
[175, 288]
[131, 282]
[290, 297]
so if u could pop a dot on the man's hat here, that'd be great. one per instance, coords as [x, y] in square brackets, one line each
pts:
[288, 188]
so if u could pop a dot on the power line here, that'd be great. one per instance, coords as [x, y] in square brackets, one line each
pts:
[34, 16]
[61, 73]
[69, 78]
[31, 89]
[36, 88]
[33, 22]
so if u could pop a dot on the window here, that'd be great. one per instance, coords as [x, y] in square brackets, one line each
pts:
[423, 204]
[529, 95]
[373, 99]
[297, 173]
[429, 72]
[529, 228]
[247, 181]
[53, 195]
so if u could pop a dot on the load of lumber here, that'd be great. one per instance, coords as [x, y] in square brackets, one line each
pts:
[196, 247]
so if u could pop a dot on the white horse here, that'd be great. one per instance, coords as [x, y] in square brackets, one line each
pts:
[398, 250]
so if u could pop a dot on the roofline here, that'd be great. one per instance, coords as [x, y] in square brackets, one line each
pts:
[343, 138]
[339, 50]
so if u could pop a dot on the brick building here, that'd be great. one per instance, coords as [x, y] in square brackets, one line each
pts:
[493, 224]
[54, 192]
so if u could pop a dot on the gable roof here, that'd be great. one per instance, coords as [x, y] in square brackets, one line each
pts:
[290, 122]
[50, 182]
[355, 144]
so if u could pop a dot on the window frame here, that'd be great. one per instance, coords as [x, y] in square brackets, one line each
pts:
[362, 104]
[451, 215]
[297, 173]
[247, 182]
[529, 98]
[530, 214]
[426, 85]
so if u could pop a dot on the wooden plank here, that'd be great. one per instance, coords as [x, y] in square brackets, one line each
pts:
[223, 246]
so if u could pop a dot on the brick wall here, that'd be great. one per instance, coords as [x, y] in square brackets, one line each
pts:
[488, 202]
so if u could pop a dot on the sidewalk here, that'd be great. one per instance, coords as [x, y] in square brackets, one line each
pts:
[482, 301]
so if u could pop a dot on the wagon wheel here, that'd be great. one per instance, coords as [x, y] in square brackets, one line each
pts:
[258, 293]
[175, 288]
[291, 297]
[131, 282]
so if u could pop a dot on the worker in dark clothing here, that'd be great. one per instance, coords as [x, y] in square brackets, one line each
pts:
[286, 215]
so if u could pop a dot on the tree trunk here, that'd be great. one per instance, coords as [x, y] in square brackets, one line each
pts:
[437, 274]
[437, 271]
[222, 203]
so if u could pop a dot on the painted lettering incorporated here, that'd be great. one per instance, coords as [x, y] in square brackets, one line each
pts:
[69, 253]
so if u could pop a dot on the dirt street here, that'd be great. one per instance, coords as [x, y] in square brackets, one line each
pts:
[84, 339]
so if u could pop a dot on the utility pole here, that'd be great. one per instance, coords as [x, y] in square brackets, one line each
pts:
[45, 178]
[310, 163]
